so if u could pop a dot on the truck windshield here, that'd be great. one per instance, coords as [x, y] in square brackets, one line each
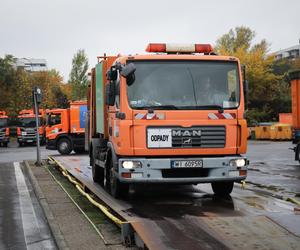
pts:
[54, 119]
[28, 122]
[3, 122]
[185, 85]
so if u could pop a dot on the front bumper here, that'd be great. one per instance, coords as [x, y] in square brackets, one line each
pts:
[159, 170]
[4, 139]
[29, 139]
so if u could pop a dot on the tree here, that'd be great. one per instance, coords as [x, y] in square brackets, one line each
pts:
[78, 76]
[241, 37]
[269, 93]
[16, 87]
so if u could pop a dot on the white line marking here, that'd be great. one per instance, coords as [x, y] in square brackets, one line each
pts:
[29, 221]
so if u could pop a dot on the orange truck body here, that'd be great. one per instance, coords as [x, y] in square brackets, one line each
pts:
[295, 93]
[4, 129]
[136, 145]
[26, 130]
[66, 127]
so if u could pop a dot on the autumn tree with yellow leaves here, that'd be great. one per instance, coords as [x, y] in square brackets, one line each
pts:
[16, 88]
[269, 92]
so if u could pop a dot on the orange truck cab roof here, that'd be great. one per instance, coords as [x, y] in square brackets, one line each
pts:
[30, 113]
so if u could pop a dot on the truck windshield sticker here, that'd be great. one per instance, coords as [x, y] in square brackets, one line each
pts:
[159, 138]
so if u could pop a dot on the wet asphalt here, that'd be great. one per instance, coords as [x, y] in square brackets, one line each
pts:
[272, 169]
[191, 217]
[23, 224]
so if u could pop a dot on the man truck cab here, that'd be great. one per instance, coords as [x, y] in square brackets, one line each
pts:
[153, 119]
[26, 129]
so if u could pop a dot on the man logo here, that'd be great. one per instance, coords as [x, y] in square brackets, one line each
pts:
[187, 141]
[181, 132]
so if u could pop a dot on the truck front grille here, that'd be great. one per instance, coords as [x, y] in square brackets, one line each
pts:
[200, 137]
[2, 135]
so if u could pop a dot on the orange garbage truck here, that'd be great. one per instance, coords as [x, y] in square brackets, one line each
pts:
[26, 129]
[174, 115]
[66, 127]
[4, 129]
[295, 93]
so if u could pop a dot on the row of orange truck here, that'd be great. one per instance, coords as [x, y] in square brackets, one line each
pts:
[60, 129]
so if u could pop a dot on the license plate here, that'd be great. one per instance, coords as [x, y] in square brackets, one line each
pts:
[29, 140]
[187, 164]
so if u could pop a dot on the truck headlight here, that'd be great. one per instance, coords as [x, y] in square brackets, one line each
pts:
[238, 163]
[131, 164]
[24, 133]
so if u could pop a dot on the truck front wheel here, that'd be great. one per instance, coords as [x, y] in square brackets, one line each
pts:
[223, 188]
[117, 189]
[64, 146]
[97, 173]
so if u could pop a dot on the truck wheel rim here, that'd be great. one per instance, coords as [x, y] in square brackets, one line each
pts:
[64, 146]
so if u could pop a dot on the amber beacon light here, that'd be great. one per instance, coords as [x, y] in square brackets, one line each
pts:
[179, 48]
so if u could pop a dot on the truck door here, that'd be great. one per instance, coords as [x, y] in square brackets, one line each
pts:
[55, 125]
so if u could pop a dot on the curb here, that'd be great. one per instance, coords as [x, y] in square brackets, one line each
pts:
[58, 236]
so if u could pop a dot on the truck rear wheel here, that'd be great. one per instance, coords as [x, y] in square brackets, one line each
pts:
[64, 146]
[223, 188]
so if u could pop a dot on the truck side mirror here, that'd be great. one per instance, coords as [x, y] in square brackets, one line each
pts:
[112, 74]
[110, 92]
[128, 72]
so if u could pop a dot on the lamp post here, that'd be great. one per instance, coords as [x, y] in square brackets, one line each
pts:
[37, 99]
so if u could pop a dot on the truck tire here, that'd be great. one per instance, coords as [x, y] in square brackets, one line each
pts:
[116, 188]
[5, 144]
[64, 146]
[21, 144]
[97, 173]
[222, 188]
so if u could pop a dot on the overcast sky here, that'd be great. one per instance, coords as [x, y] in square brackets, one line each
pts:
[56, 29]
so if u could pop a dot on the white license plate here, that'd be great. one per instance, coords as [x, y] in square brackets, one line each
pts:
[29, 140]
[187, 164]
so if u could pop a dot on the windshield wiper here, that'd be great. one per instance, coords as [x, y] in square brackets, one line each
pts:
[160, 107]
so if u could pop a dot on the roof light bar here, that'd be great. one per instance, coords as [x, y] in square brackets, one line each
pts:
[179, 48]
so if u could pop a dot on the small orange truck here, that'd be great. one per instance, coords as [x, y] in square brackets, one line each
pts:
[174, 115]
[66, 127]
[26, 129]
[4, 129]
